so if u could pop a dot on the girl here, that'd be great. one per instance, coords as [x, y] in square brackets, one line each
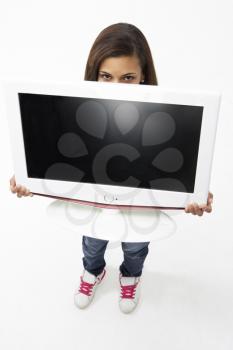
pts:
[119, 54]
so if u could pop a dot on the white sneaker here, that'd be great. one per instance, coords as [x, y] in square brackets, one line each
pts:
[85, 293]
[129, 293]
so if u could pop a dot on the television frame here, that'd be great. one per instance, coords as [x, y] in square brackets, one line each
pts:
[109, 196]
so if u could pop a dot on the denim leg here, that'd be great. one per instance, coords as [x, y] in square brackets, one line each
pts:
[134, 256]
[93, 250]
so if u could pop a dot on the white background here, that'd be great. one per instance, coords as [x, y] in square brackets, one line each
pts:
[187, 282]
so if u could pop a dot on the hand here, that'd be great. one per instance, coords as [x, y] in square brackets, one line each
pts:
[196, 209]
[20, 190]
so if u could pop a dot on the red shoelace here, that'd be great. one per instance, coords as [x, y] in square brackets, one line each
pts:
[128, 292]
[85, 287]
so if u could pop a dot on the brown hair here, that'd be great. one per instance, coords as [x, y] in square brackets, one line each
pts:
[121, 39]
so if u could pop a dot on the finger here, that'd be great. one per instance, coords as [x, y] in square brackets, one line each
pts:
[203, 206]
[192, 209]
[12, 181]
[208, 209]
[28, 193]
[210, 198]
[13, 189]
[19, 195]
[19, 189]
[198, 210]
[23, 191]
[187, 209]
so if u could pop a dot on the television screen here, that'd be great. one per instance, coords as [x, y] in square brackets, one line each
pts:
[111, 142]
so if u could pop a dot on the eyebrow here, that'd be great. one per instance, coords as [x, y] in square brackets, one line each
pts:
[110, 74]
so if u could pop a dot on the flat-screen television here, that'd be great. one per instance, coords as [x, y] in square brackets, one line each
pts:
[112, 144]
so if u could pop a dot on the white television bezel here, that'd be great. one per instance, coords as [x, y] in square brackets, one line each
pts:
[107, 195]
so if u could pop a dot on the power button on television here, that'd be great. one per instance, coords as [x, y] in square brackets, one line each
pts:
[108, 198]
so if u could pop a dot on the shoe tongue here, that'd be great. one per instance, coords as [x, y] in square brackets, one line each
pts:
[126, 281]
[88, 277]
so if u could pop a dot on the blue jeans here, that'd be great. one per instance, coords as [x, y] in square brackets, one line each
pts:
[134, 256]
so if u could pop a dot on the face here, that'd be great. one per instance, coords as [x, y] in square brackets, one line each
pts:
[122, 69]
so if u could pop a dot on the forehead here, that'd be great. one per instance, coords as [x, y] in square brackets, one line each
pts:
[120, 65]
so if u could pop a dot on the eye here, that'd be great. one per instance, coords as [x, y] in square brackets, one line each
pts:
[105, 76]
[128, 77]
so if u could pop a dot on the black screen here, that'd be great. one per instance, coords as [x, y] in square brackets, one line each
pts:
[112, 142]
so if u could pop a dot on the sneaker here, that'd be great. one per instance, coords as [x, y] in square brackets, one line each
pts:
[129, 293]
[85, 293]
